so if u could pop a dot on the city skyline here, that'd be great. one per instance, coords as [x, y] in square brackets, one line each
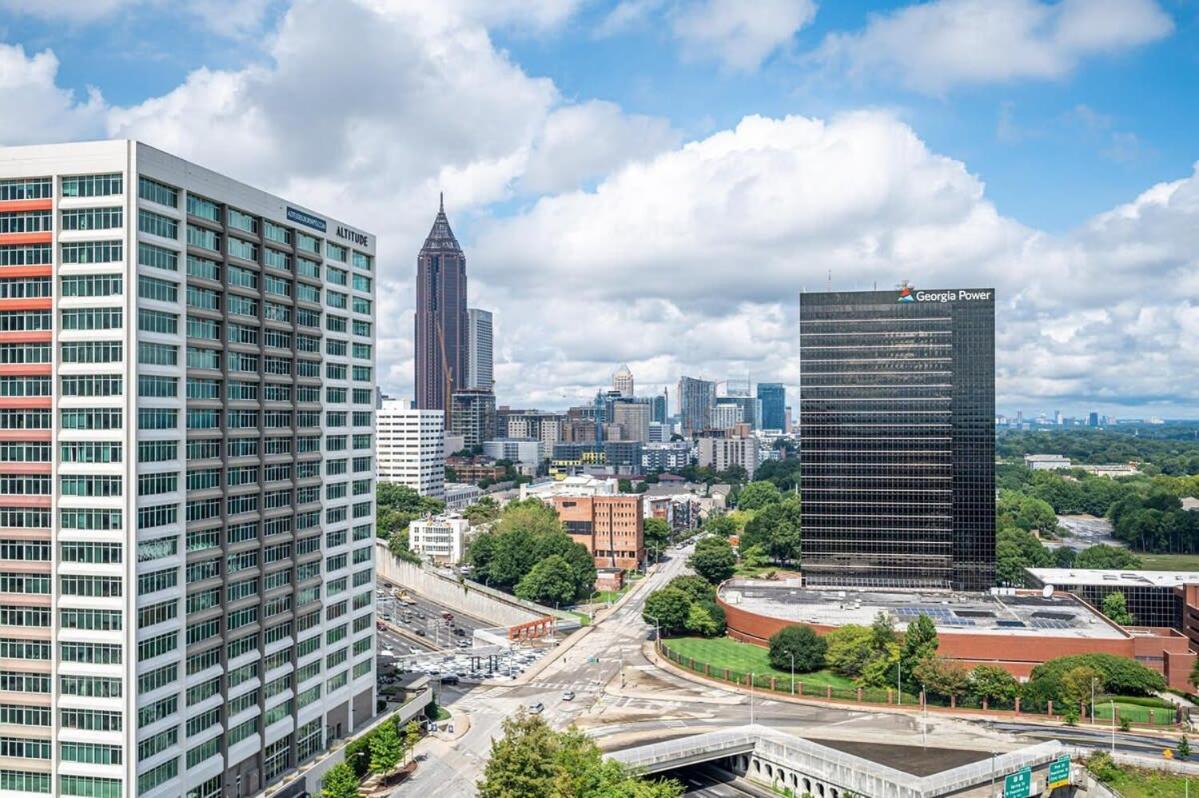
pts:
[815, 142]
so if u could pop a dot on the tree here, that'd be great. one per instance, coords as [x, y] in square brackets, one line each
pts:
[339, 782]
[994, 684]
[1121, 675]
[1036, 514]
[713, 560]
[1016, 550]
[657, 535]
[849, 649]
[919, 643]
[753, 556]
[483, 511]
[668, 609]
[386, 749]
[1116, 607]
[757, 495]
[532, 760]
[1078, 682]
[1194, 677]
[720, 525]
[551, 581]
[942, 676]
[699, 621]
[696, 587]
[411, 736]
[800, 642]
[1184, 747]
[776, 527]
[397, 544]
[1106, 557]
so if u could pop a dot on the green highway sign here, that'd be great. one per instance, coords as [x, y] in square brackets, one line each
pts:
[1018, 784]
[1059, 772]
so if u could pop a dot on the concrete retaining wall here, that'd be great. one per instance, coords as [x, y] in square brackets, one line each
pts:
[469, 598]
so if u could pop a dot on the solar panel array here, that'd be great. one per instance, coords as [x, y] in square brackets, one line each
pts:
[939, 615]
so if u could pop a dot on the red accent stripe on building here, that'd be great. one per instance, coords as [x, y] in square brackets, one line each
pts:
[25, 369]
[37, 303]
[25, 501]
[25, 402]
[25, 238]
[12, 206]
[31, 435]
[26, 337]
[27, 271]
[25, 468]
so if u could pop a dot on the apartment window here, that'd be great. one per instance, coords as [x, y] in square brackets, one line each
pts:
[157, 548]
[273, 311]
[155, 321]
[203, 238]
[154, 614]
[92, 653]
[90, 485]
[159, 677]
[308, 318]
[198, 388]
[362, 305]
[362, 283]
[25, 288]
[276, 259]
[90, 686]
[156, 451]
[24, 386]
[157, 418]
[335, 252]
[90, 519]
[203, 209]
[203, 268]
[92, 185]
[203, 298]
[92, 319]
[243, 249]
[91, 285]
[92, 218]
[277, 233]
[277, 393]
[102, 418]
[337, 276]
[25, 188]
[198, 358]
[93, 385]
[90, 452]
[242, 221]
[25, 254]
[203, 419]
[362, 261]
[308, 268]
[156, 224]
[154, 581]
[159, 193]
[241, 306]
[25, 221]
[151, 354]
[96, 552]
[239, 361]
[157, 387]
[362, 328]
[153, 484]
[336, 299]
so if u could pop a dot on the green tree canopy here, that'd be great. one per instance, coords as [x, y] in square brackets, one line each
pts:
[942, 676]
[1016, 550]
[551, 581]
[849, 649]
[386, 749]
[1105, 557]
[339, 782]
[657, 535]
[532, 760]
[776, 528]
[919, 643]
[1115, 606]
[481, 512]
[713, 559]
[1036, 514]
[993, 683]
[527, 533]
[699, 620]
[667, 609]
[800, 642]
[696, 587]
[720, 525]
[1121, 675]
[757, 495]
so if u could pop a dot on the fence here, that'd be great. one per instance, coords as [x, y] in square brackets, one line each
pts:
[776, 683]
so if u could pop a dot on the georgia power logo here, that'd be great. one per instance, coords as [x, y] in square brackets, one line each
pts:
[905, 294]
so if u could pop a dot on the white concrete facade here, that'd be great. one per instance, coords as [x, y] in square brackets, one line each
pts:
[411, 448]
[441, 538]
[208, 500]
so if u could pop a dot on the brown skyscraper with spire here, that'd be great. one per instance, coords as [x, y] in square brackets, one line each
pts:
[441, 320]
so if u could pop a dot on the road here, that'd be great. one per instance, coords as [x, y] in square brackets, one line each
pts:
[623, 699]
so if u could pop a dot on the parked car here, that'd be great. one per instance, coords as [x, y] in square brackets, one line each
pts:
[569, 695]
[536, 708]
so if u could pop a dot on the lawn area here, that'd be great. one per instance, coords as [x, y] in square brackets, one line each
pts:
[1134, 783]
[1133, 713]
[1169, 562]
[722, 652]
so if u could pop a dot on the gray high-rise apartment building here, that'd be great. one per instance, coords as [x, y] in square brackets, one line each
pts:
[897, 427]
[697, 398]
[480, 360]
[188, 476]
[773, 397]
[442, 346]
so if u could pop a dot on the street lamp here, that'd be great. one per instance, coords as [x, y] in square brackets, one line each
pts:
[1093, 680]
[751, 699]
[657, 630]
[792, 656]
[1113, 725]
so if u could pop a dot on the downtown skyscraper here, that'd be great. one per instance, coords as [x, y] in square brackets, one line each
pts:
[897, 412]
[186, 476]
[442, 323]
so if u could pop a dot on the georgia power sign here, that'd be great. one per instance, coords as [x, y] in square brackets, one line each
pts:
[957, 295]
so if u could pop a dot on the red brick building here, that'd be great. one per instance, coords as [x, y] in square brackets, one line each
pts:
[611, 528]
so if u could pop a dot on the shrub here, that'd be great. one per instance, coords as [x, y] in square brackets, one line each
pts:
[800, 642]
[1121, 675]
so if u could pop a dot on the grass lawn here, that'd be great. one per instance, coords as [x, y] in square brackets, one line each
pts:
[584, 618]
[722, 652]
[1169, 562]
[1134, 783]
[1133, 713]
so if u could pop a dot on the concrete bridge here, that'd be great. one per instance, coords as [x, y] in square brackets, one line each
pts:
[782, 761]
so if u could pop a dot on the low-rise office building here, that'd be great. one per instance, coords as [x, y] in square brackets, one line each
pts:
[441, 538]
[516, 450]
[611, 527]
[410, 447]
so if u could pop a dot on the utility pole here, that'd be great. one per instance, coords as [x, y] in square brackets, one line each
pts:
[792, 673]
[751, 699]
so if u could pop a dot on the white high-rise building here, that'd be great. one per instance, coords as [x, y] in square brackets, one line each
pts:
[622, 381]
[480, 359]
[720, 454]
[411, 448]
[187, 486]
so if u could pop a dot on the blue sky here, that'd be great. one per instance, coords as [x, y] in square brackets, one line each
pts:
[997, 135]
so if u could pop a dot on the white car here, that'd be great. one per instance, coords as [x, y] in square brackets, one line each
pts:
[569, 695]
[537, 708]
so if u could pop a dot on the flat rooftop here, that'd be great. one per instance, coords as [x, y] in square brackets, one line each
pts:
[916, 760]
[1071, 577]
[1027, 613]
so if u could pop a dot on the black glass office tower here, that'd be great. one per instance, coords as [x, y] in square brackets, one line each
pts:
[897, 438]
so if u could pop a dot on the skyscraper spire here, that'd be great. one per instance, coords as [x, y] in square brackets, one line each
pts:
[441, 319]
[441, 208]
